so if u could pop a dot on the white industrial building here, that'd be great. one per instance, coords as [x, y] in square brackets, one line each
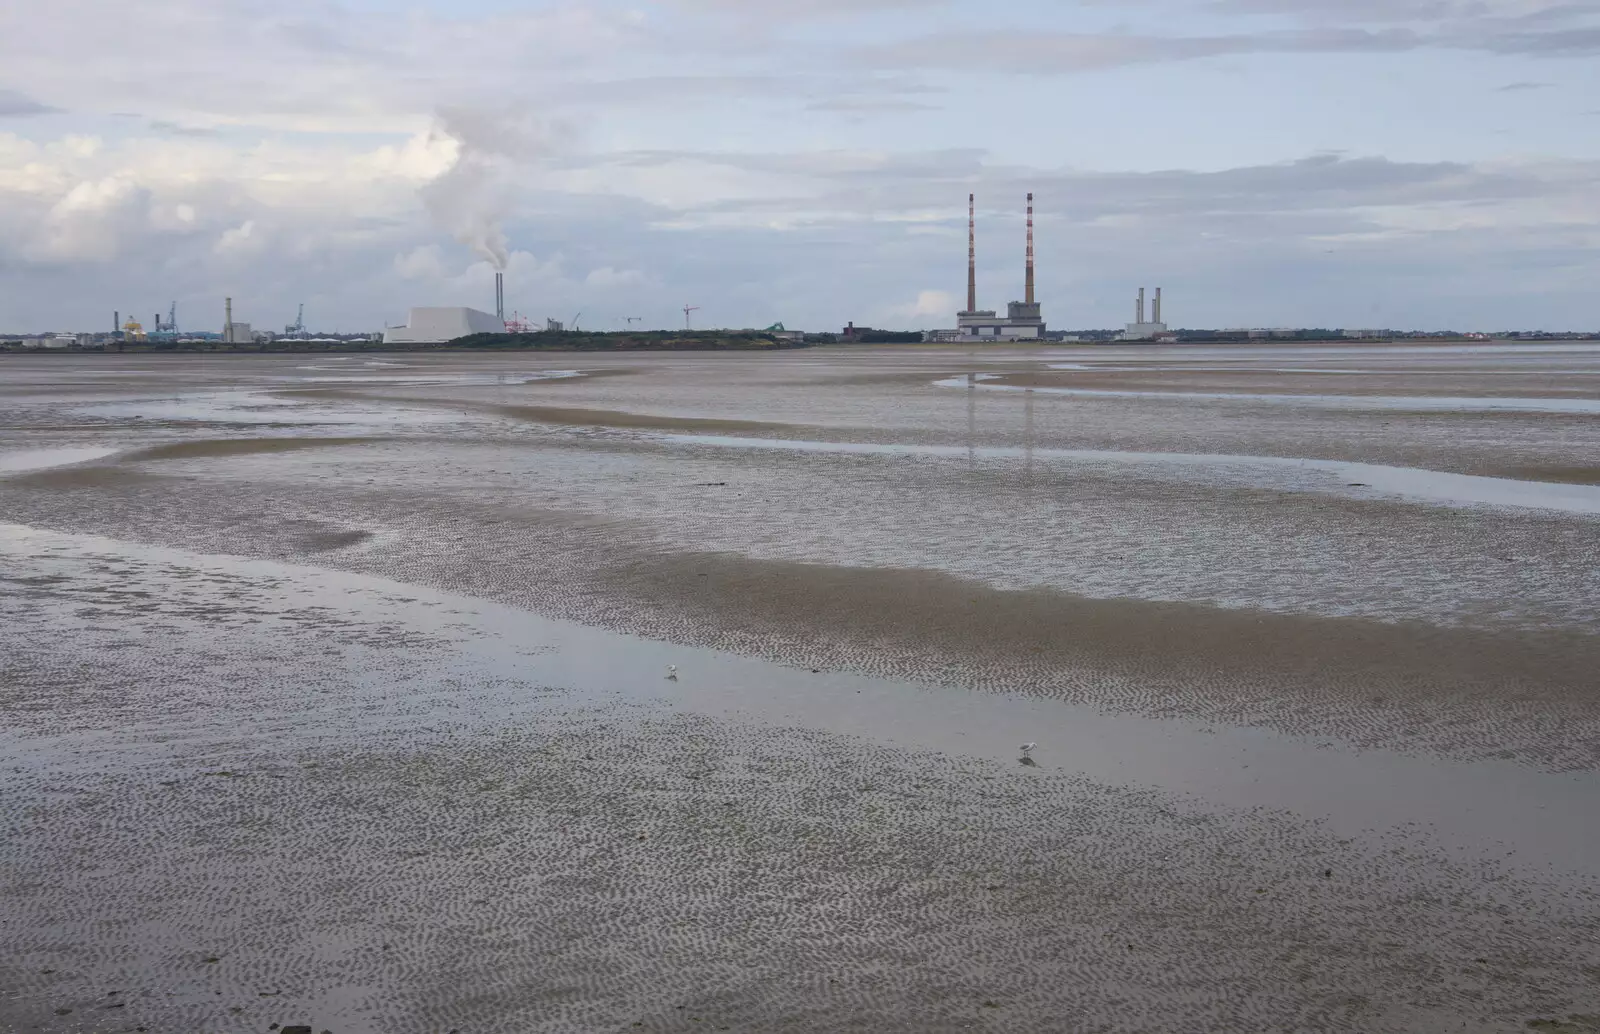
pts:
[1139, 330]
[438, 325]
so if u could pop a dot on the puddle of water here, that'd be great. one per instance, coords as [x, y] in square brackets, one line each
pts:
[465, 380]
[1335, 477]
[1478, 810]
[16, 461]
[1157, 368]
[1384, 402]
[248, 407]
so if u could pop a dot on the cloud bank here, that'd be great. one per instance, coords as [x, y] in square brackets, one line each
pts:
[797, 162]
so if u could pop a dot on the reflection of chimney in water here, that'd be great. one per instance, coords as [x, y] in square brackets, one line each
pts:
[1027, 439]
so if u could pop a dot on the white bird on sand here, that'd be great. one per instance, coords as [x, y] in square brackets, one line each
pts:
[1027, 748]
[672, 672]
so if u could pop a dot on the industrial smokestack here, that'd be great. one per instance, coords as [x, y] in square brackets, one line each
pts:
[116, 321]
[972, 253]
[500, 297]
[1029, 296]
[1155, 317]
[1141, 306]
[227, 320]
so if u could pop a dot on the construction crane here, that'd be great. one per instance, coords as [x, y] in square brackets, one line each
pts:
[687, 309]
[575, 320]
[298, 327]
[633, 319]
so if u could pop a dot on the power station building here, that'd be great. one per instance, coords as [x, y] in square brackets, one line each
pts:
[1139, 330]
[436, 326]
[1023, 320]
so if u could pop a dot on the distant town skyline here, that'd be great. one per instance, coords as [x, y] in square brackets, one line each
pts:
[1409, 164]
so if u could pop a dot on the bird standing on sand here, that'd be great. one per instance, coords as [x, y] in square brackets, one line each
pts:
[1027, 749]
[672, 672]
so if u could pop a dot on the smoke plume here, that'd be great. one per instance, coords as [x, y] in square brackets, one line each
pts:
[474, 197]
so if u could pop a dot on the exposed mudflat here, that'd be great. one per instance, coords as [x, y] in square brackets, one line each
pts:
[336, 692]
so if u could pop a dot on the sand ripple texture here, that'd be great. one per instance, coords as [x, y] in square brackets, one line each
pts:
[333, 693]
[242, 794]
[1247, 595]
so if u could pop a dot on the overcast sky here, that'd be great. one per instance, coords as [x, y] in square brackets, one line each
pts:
[1350, 163]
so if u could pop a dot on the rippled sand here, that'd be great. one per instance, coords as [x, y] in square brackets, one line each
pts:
[335, 693]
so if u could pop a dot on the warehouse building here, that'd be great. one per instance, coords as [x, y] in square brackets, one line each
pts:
[438, 325]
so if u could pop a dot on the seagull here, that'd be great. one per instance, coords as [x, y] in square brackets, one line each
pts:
[1027, 748]
[672, 672]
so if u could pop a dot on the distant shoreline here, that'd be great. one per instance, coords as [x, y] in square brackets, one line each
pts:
[665, 341]
[711, 341]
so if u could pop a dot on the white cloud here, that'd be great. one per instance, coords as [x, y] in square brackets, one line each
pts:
[424, 262]
[931, 308]
[242, 240]
[88, 223]
[608, 279]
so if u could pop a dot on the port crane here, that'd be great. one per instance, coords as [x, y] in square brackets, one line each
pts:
[298, 327]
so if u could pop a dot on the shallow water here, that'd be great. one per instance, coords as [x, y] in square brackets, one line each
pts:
[350, 706]
[1420, 403]
[14, 461]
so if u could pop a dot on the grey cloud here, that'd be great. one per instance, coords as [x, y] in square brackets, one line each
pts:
[832, 92]
[175, 129]
[1064, 53]
[15, 104]
[868, 105]
[1240, 246]
[1032, 52]
[791, 10]
[671, 89]
[1174, 212]
[1555, 43]
[1518, 87]
[1527, 12]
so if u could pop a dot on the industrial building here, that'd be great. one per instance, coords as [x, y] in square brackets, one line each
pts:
[1139, 330]
[436, 326]
[1023, 320]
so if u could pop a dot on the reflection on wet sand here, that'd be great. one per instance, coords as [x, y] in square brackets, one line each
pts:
[332, 705]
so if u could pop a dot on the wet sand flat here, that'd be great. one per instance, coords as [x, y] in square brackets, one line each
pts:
[335, 702]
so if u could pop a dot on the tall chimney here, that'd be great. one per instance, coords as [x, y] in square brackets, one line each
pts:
[227, 320]
[1141, 305]
[1155, 317]
[972, 253]
[116, 321]
[500, 297]
[1029, 296]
